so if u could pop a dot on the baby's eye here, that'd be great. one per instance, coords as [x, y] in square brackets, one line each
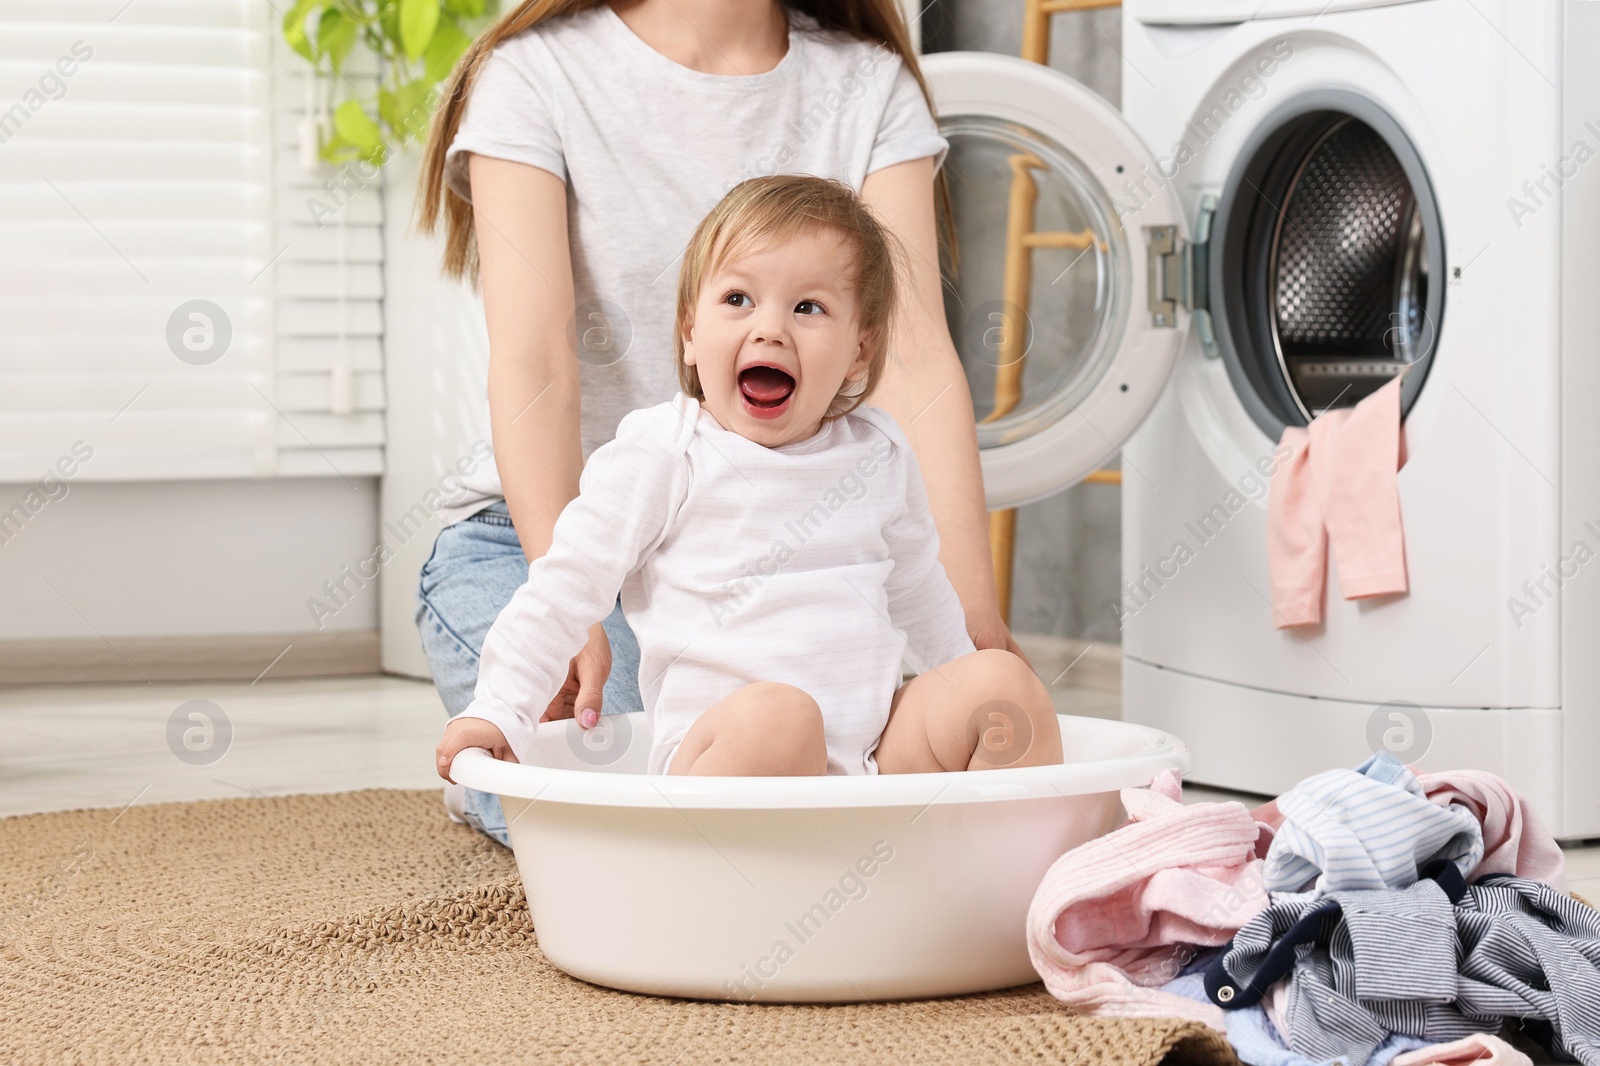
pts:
[803, 304]
[735, 296]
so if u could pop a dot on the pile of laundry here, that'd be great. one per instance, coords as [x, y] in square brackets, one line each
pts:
[1367, 916]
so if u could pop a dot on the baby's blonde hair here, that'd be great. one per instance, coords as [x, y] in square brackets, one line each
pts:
[766, 211]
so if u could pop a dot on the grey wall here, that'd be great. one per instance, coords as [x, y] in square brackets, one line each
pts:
[1084, 44]
[1068, 559]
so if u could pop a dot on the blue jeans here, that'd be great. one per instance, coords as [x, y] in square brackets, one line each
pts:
[476, 566]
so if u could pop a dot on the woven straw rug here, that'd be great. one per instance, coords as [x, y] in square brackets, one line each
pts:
[366, 928]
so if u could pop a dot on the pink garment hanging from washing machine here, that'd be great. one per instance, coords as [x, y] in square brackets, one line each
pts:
[1339, 488]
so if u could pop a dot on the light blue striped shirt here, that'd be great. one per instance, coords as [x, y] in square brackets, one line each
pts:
[1367, 828]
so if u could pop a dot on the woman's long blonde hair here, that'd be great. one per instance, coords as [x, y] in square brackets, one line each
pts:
[871, 20]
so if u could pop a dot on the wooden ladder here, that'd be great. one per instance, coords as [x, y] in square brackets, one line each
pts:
[1021, 239]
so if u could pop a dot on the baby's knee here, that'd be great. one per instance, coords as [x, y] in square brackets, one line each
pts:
[781, 730]
[783, 709]
[1014, 711]
[1000, 674]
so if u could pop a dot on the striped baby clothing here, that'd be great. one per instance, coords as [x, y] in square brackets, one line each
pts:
[1439, 960]
[1368, 828]
[1256, 1040]
[814, 564]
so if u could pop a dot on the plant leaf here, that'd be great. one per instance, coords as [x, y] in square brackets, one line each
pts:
[294, 28]
[356, 126]
[411, 110]
[418, 20]
[468, 8]
[335, 148]
[449, 41]
[336, 35]
[388, 110]
[389, 19]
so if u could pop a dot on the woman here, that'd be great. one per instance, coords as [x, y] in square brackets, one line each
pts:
[580, 144]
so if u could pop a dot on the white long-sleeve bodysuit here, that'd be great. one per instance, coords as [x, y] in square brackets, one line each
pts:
[814, 564]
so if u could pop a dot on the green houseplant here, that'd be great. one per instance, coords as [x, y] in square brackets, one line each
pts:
[416, 44]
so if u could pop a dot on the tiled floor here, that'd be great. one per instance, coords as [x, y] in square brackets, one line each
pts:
[114, 745]
[108, 745]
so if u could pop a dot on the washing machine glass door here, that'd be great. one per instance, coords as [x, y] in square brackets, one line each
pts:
[1064, 295]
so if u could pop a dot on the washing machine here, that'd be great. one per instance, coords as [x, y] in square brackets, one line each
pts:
[1299, 200]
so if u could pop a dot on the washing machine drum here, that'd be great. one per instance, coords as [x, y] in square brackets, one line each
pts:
[1325, 266]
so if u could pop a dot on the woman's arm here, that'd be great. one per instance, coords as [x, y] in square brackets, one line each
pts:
[525, 270]
[922, 603]
[520, 214]
[925, 388]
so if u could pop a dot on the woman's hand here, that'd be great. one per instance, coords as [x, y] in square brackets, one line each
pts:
[990, 631]
[584, 689]
[463, 733]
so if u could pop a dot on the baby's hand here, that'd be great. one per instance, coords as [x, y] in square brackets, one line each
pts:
[470, 733]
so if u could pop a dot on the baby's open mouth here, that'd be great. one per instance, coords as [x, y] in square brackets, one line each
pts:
[766, 390]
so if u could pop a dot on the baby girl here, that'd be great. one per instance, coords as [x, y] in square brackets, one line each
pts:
[769, 535]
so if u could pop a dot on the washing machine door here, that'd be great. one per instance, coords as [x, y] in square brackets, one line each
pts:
[1202, 12]
[1065, 294]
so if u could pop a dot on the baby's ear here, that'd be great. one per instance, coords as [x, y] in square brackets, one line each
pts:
[863, 360]
[687, 329]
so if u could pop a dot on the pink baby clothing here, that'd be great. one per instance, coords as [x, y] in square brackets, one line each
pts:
[1479, 1049]
[1514, 840]
[1123, 913]
[1339, 486]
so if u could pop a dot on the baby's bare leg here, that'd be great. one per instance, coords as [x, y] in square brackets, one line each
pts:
[764, 730]
[984, 711]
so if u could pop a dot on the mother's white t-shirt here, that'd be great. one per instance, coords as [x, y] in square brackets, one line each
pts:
[647, 147]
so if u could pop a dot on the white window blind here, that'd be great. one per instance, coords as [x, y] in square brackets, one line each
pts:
[148, 160]
[329, 283]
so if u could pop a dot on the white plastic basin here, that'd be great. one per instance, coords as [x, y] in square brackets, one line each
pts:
[798, 889]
